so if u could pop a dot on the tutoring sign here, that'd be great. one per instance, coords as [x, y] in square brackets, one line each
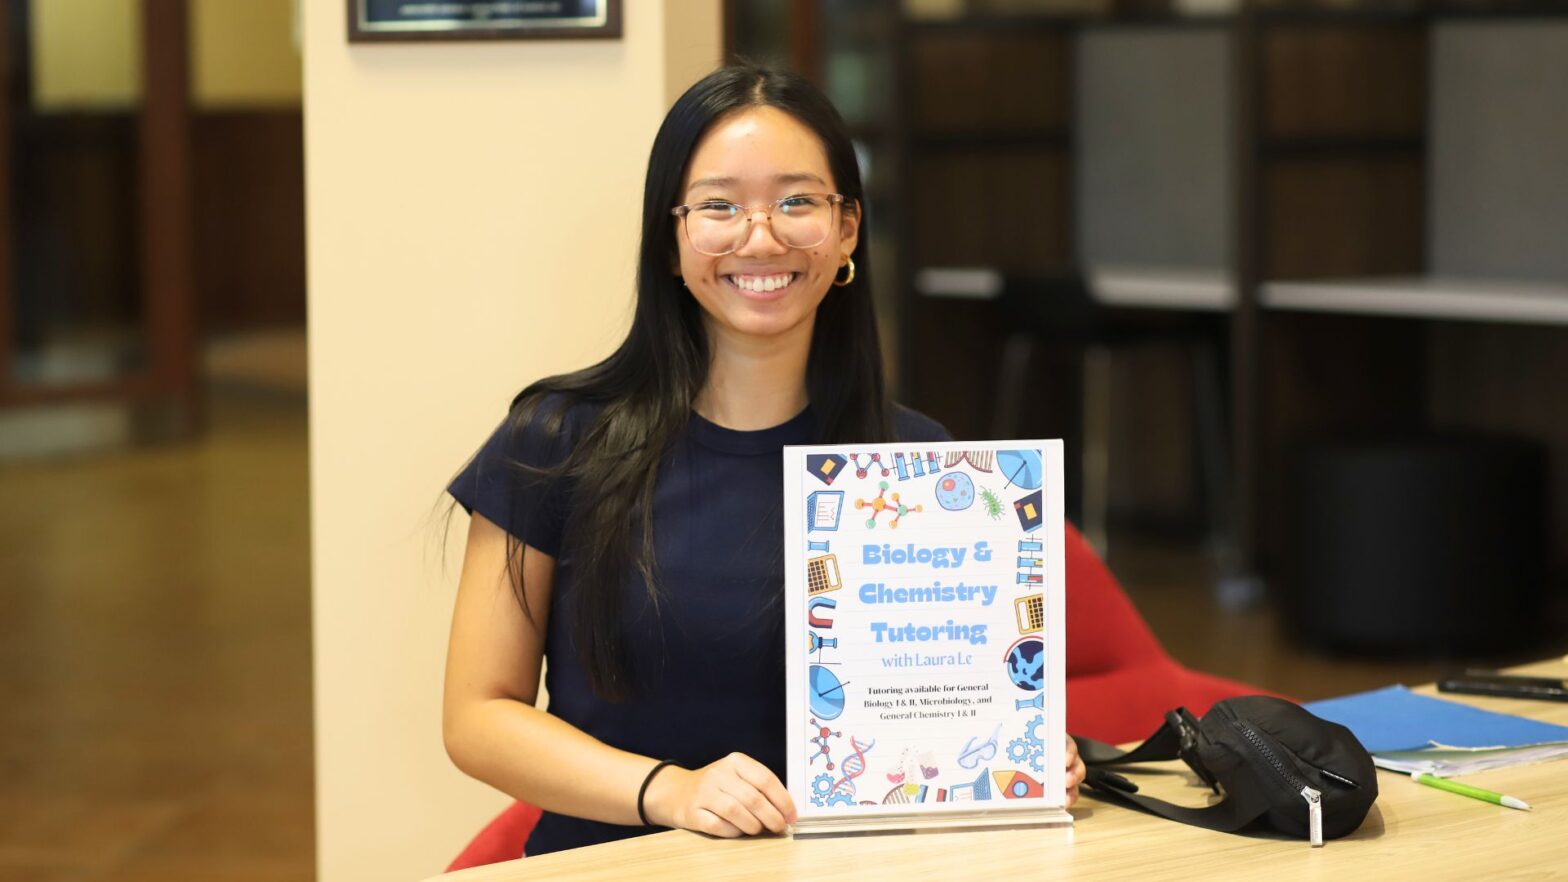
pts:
[926, 652]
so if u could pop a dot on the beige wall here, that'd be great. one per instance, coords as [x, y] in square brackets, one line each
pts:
[439, 283]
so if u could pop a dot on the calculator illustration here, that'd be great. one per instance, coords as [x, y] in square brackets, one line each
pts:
[1031, 613]
[822, 575]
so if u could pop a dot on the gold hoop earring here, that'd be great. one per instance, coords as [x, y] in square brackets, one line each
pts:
[850, 262]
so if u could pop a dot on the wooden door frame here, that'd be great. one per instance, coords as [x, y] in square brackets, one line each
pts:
[164, 215]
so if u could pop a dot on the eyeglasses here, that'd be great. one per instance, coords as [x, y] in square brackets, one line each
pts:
[717, 228]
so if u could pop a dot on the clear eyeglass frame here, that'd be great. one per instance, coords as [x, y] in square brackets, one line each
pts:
[683, 212]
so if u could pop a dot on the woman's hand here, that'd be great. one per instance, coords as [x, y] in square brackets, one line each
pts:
[1075, 771]
[736, 796]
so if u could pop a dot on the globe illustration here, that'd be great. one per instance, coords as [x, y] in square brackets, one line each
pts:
[1026, 664]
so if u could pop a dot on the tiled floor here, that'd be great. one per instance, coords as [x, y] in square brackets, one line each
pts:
[155, 637]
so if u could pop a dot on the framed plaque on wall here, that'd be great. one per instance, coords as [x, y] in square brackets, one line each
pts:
[401, 20]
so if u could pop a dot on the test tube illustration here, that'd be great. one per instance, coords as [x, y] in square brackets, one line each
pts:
[821, 546]
[1038, 703]
[1031, 569]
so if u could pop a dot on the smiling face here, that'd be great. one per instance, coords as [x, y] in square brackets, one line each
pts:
[764, 288]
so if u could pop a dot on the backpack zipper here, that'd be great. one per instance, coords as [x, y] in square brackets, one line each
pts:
[1333, 776]
[1314, 798]
[1314, 816]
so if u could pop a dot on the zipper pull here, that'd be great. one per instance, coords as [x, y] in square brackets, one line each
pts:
[1314, 815]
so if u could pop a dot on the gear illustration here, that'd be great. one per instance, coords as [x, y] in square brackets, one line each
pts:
[1035, 758]
[841, 798]
[1018, 750]
[821, 787]
[1032, 730]
[1030, 748]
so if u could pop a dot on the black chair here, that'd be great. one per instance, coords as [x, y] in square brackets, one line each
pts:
[1060, 310]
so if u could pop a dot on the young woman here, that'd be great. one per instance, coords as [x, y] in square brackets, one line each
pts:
[626, 518]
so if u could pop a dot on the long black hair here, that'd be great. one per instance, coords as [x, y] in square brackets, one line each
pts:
[645, 390]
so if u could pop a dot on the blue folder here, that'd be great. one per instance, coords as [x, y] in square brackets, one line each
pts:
[1397, 719]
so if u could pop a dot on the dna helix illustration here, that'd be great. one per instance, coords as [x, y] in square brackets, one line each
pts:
[853, 766]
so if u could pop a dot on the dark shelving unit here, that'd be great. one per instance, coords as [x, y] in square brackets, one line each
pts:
[1330, 167]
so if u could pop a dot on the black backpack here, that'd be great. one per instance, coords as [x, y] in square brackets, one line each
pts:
[1274, 762]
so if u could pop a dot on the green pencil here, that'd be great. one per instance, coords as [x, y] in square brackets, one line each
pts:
[1467, 790]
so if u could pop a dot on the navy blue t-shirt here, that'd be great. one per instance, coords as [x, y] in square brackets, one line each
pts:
[708, 669]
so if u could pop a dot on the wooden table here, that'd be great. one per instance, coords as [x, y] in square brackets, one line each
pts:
[1413, 832]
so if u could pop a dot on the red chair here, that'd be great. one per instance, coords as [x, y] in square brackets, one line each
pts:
[1120, 683]
[501, 840]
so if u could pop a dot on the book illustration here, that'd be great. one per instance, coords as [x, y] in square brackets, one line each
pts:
[1016, 785]
[826, 466]
[822, 575]
[981, 460]
[872, 461]
[992, 502]
[1030, 748]
[955, 491]
[1022, 468]
[822, 510]
[1030, 515]
[878, 504]
[1025, 661]
[973, 754]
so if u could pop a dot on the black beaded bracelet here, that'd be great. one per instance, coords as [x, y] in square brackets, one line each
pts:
[643, 790]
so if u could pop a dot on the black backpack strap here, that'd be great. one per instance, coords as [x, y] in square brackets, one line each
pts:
[1177, 738]
[1235, 811]
[1178, 733]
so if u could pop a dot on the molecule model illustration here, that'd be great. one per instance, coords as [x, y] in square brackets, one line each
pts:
[823, 749]
[879, 505]
[871, 461]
